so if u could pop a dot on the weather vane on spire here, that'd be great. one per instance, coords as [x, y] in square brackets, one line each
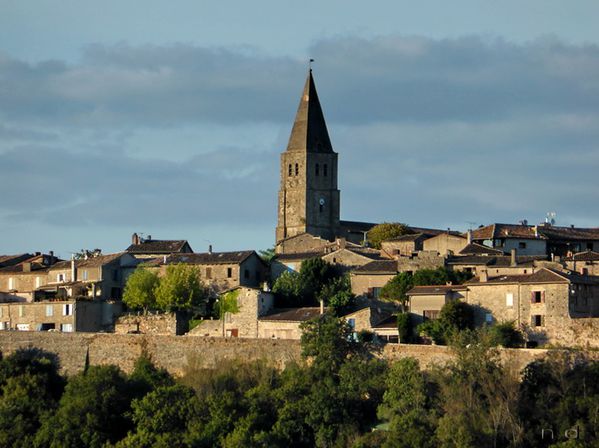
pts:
[310, 64]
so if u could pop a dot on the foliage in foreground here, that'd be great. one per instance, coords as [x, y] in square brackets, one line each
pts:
[334, 397]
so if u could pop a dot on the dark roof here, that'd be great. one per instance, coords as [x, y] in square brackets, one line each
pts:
[499, 261]
[293, 314]
[569, 233]
[300, 255]
[433, 232]
[157, 247]
[435, 289]
[91, 262]
[378, 267]
[587, 255]
[389, 322]
[544, 275]
[205, 258]
[479, 249]
[38, 262]
[9, 260]
[309, 131]
[356, 226]
[409, 237]
[496, 231]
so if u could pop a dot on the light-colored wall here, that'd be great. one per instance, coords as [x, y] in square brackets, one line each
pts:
[34, 314]
[533, 246]
[445, 243]
[279, 330]
[252, 304]
[591, 267]
[361, 283]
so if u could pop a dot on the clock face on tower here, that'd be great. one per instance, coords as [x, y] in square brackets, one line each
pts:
[321, 201]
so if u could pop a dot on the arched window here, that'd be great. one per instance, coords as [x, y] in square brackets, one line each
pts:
[320, 208]
[316, 171]
[324, 170]
[290, 172]
[296, 169]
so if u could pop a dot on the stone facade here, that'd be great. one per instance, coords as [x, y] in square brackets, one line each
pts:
[65, 316]
[425, 302]
[309, 199]
[252, 304]
[445, 244]
[163, 323]
[404, 245]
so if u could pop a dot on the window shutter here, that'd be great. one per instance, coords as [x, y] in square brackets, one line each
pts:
[370, 292]
[532, 297]
[543, 297]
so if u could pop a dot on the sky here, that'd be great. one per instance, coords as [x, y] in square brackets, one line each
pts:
[168, 118]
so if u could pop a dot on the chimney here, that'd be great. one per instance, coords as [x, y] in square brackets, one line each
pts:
[164, 259]
[149, 238]
[469, 236]
[73, 269]
[322, 307]
[536, 230]
[484, 276]
[210, 249]
[51, 253]
[135, 239]
[341, 243]
[514, 259]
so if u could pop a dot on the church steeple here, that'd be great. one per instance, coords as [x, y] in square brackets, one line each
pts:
[308, 198]
[309, 131]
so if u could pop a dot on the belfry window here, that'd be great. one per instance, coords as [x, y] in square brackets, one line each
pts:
[320, 208]
[324, 170]
[316, 170]
[290, 171]
[296, 169]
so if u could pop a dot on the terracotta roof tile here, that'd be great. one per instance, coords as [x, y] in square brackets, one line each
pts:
[587, 255]
[293, 314]
[479, 249]
[378, 267]
[157, 247]
[435, 289]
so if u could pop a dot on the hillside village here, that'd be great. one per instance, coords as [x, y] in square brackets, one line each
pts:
[543, 277]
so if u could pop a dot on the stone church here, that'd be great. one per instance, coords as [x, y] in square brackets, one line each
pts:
[309, 197]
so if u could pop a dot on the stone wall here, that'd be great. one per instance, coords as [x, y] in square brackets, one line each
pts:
[159, 324]
[179, 353]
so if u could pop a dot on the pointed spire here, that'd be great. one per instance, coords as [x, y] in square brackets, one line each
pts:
[309, 131]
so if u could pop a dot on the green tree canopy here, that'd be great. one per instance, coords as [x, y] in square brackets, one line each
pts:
[180, 288]
[140, 290]
[385, 231]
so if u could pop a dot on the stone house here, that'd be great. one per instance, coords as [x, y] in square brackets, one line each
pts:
[586, 263]
[425, 302]
[403, 245]
[144, 248]
[544, 304]
[494, 264]
[219, 271]
[445, 243]
[102, 277]
[528, 240]
[376, 317]
[22, 275]
[566, 241]
[285, 324]
[61, 315]
[368, 280]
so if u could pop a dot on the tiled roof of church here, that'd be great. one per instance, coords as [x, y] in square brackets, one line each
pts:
[309, 131]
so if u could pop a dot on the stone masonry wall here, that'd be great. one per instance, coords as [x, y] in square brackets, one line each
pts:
[178, 353]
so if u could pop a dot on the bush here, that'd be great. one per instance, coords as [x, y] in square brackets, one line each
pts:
[404, 327]
[506, 335]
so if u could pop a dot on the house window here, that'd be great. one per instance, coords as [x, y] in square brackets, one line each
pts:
[11, 283]
[509, 299]
[430, 314]
[23, 327]
[66, 328]
[49, 310]
[290, 170]
[60, 278]
[351, 323]
[521, 245]
[537, 320]
[116, 293]
[229, 272]
[246, 273]
[67, 309]
[317, 169]
[320, 208]
[296, 169]
[537, 296]
[324, 170]
[208, 272]
[115, 275]
[84, 275]
[489, 318]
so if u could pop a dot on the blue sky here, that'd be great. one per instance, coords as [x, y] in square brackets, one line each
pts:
[122, 117]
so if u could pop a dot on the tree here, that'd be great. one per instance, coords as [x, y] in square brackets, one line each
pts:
[180, 288]
[337, 293]
[506, 335]
[395, 290]
[314, 274]
[91, 412]
[140, 290]
[407, 406]
[386, 231]
[288, 289]
[146, 376]
[454, 317]
[162, 418]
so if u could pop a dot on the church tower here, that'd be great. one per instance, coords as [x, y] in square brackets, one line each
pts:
[308, 196]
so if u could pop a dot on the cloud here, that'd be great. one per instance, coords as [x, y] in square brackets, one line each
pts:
[430, 132]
